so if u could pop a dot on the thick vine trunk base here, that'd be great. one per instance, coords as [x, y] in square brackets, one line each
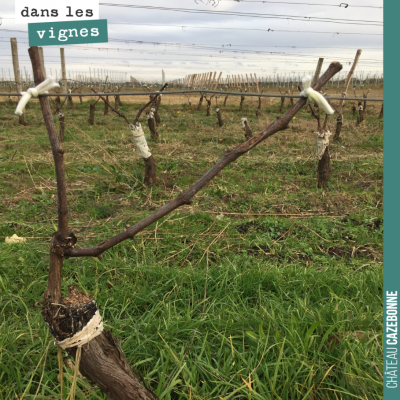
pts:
[91, 114]
[200, 103]
[339, 124]
[324, 169]
[248, 133]
[360, 118]
[104, 363]
[152, 127]
[220, 120]
[21, 120]
[117, 102]
[241, 103]
[150, 174]
[102, 359]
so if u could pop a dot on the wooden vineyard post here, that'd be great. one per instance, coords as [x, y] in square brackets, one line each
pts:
[92, 108]
[216, 84]
[255, 77]
[212, 80]
[195, 80]
[41, 56]
[209, 80]
[248, 83]
[317, 71]
[339, 109]
[17, 74]
[102, 359]
[64, 86]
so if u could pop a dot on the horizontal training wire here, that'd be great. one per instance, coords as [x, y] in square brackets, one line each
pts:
[190, 91]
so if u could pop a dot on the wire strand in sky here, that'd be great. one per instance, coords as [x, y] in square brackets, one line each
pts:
[247, 29]
[341, 5]
[251, 15]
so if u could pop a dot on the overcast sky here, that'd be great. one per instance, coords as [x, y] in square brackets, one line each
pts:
[191, 43]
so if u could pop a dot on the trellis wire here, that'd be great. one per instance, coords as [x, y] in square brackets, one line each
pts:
[188, 91]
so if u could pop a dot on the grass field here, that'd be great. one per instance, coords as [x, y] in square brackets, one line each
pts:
[264, 288]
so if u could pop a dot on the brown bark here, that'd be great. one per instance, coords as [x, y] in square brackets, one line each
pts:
[248, 133]
[200, 103]
[92, 108]
[219, 116]
[21, 120]
[225, 100]
[156, 115]
[208, 107]
[339, 124]
[282, 104]
[117, 102]
[70, 102]
[230, 156]
[152, 127]
[324, 169]
[80, 99]
[61, 239]
[354, 109]
[241, 103]
[381, 113]
[150, 174]
[62, 125]
[259, 103]
[258, 114]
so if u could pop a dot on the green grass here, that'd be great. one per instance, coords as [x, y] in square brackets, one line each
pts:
[214, 301]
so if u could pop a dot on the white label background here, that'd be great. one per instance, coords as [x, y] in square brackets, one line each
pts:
[61, 7]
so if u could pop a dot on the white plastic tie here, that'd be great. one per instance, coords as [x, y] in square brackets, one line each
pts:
[322, 142]
[244, 119]
[42, 88]
[140, 140]
[313, 96]
[93, 328]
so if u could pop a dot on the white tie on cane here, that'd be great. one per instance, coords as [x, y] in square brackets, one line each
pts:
[314, 96]
[42, 88]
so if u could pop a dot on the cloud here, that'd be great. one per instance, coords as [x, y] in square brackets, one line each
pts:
[255, 47]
